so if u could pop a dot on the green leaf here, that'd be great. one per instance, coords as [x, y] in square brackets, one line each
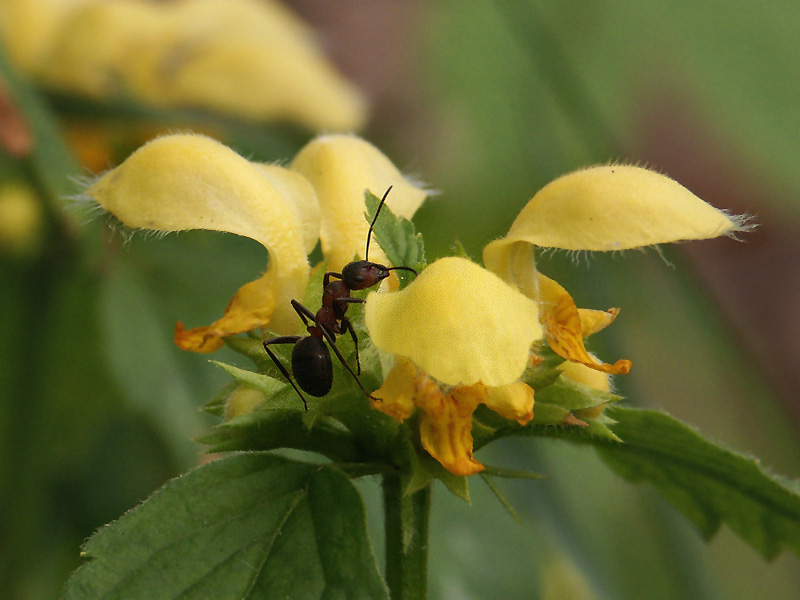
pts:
[247, 526]
[708, 483]
[397, 237]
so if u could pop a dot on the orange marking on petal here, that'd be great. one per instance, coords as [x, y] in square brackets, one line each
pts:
[250, 308]
[446, 427]
[593, 321]
[564, 333]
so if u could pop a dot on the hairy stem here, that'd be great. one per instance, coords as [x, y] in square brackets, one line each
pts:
[406, 526]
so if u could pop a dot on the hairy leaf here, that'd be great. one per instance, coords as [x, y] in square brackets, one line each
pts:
[708, 483]
[248, 526]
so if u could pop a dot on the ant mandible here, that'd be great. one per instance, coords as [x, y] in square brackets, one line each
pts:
[311, 359]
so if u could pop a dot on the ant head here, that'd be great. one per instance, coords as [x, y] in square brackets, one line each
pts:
[362, 274]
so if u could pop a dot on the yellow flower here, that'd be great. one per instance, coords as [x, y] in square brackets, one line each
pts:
[462, 337]
[182, 182]
[600, 208]
[249, 58]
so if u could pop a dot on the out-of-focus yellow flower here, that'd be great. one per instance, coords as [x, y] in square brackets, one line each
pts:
[600, 208]
[21, 218]
[461, 337]
[181, 182]
[250, 58]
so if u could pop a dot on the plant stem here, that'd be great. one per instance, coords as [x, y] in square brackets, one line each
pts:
[406, 527]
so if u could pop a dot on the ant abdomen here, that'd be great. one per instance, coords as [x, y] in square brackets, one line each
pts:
[312, 366]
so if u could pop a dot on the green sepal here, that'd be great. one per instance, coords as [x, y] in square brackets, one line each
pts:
[247, 526]
[250, 347]
[216, 405]
[500, 496]
[263, 383]
[573, 396]
[458, 485]
[546, 371]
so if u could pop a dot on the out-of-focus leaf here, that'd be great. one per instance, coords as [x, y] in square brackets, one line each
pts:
[248, 526]
[708, 483]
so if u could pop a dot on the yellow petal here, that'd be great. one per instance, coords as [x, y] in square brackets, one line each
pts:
[96, 46]
[341, 168]
[514, 401]
[615, 208]
[446, 427]
[250, 58]
[255, 59]
[457, 322]
[564, 330]
[593, 321]
[27, 28]
[251, 307]
[182, 182]
[513, 262]
[396, 395]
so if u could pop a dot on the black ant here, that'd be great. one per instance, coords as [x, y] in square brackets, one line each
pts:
[311, 359]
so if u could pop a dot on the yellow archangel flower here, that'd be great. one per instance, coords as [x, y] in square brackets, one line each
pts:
[250, 58]
[462, 335]
[181, 182]
[613, 207]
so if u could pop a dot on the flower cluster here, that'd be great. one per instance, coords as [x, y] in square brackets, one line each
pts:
[249, 58]
[468, 336]
[182, 182]
[460, 335]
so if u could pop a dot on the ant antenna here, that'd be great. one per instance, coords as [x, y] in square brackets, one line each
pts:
[371, 225]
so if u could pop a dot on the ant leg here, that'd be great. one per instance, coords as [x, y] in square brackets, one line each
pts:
[285, 339]
[327, 278]
[348, 326]
[304, 313]
[332, 342]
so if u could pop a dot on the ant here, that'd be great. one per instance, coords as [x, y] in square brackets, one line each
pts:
[311, 359]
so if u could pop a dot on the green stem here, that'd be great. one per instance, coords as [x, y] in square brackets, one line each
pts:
[406, 526]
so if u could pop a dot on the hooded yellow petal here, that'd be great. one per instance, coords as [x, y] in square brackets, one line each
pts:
[182, 182]
[256, 59]
[341, 168]
[513, 402]
[446, 426]
[615, 208]
[27, 28]
[457, 322]
[251, 58]
[564, 330]
[97, 46]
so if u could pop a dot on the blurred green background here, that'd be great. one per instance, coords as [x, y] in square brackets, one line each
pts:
[486, 102]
